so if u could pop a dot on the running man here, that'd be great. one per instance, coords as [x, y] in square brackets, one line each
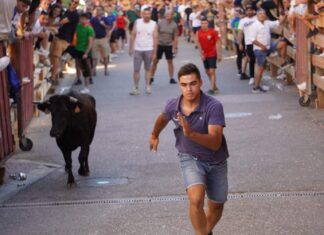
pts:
[199, 122]
[210, 49]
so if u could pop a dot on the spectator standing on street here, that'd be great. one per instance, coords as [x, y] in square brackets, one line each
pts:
[202, 149]
[261, 39]
[64, 38]
[195, 22]
[210, 14]
[132, 15]
[121, 25]
[167, 45]
[84, 42]
[100, 25]
[245, 30]
[188, 12]
[210, 49]
[143, 46]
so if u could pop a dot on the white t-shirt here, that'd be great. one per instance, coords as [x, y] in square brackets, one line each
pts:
[6, 13]
[37, 28]
[194, 18]
[245, 25]
[182, 9]
[262, 32]
[144, 35]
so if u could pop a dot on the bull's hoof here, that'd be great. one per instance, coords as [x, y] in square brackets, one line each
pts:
[83, 172]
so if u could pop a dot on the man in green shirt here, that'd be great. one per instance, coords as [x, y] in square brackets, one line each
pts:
[84, 41]
[132, 16]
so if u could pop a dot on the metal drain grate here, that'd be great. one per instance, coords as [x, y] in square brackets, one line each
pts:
[141, 200]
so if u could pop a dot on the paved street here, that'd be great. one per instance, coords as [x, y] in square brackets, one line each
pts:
[276, 164]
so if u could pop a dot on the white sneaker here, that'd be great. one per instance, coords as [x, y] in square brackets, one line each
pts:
[265, 87]
[321, 55]
[274, 54]
[4, 62]
[282, 76]
[251, 82]
[85, 90]
[135, 91]
[148, 90]
[302, 86]
[42, 51]
[122, 51]
[113, 55]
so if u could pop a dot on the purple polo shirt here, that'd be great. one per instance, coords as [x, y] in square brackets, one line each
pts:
[209, 112]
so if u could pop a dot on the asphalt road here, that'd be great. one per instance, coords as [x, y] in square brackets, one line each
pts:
[276, 164]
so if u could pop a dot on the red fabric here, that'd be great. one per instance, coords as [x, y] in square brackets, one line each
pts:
[120, 22]
[207, 40]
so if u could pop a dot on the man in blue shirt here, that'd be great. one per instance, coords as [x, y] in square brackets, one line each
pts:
[199, 122]
[100, 24]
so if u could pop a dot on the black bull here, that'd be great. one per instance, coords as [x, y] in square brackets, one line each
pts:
[74, 120]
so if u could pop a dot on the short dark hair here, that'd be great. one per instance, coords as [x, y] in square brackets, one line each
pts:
[27, 2]
[189, 69]
[85, 15]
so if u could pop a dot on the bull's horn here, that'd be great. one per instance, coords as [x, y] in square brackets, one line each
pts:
[73, 99]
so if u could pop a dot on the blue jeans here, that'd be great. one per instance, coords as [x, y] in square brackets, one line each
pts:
[212, 175]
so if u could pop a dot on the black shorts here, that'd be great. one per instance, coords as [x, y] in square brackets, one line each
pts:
[78, 55]
[195, 29]
[113, 37]
[167, 50]
[210, 62]
[121, 33]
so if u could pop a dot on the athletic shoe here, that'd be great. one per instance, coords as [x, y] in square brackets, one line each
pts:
[213, 92]
[42, 51]
[281, 76]
[321, 55]
[265, 87]
[46, 63]
[122, 51]
[91, 81]
[135, 91]
[239, 74]
[151, 81]
[148, 90]
[285, 65]
[274, 54]
[312, 33]
[251, 82]
[77, 82]
[257, 90]
[4, 62]
[172, 81]
[244, 76]
[85, 90]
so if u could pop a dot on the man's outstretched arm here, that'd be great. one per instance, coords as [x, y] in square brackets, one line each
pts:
[159, 125]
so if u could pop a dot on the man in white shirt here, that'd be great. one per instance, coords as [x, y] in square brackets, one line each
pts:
[261, 39]
[143, 44]
[244, 36]
[195, 22]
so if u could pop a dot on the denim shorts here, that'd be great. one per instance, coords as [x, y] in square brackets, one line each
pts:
[261, 56]
[212, 175]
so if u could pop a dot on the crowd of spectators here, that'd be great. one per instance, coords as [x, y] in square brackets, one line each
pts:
[99, 30]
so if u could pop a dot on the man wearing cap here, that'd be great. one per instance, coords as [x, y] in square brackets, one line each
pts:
[244, 30]
[143, 46]
[210, 49]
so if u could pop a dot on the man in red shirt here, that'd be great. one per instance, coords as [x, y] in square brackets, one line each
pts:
[210, 48]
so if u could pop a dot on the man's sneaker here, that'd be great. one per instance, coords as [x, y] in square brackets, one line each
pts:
[85, 90]
[321, 55]
[172, 81]
[213, 92]
[148, 90]
[135, 91]
[239, 74]
[151, 81]
[312, 33]
[265, 87]
[42, 51]
[281, 76]
[39, 65]
[244, 76]
[77, 82]
[274, 54]
[4, 62]
[251, 81]
[257, 90]
[91, 81]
